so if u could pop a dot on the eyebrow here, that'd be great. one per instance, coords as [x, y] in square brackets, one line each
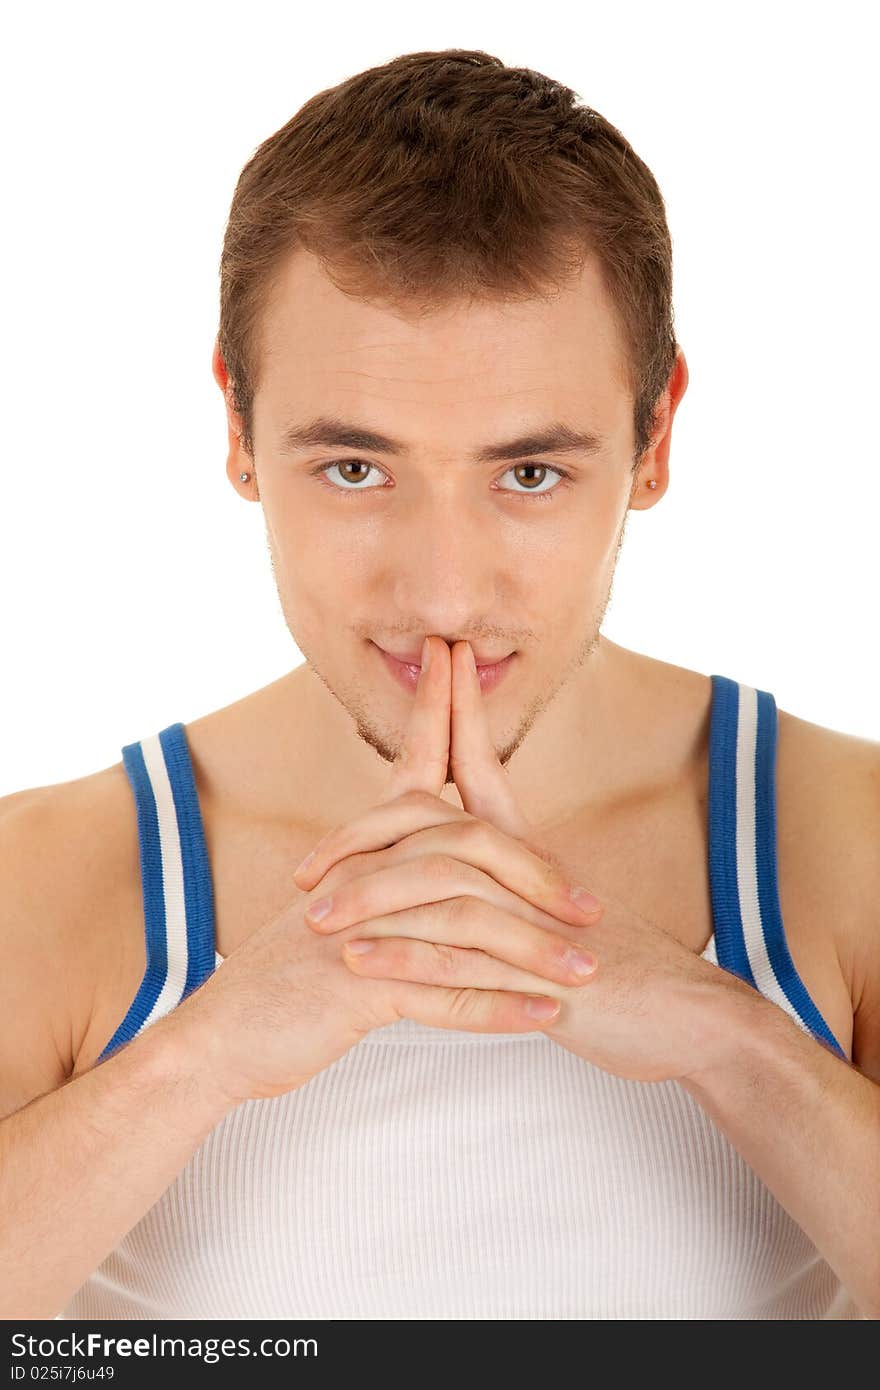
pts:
[557, 438]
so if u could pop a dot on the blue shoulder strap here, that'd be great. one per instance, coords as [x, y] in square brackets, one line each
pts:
[749, 934]
[175, 878]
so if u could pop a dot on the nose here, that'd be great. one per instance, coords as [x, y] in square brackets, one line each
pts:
[445, 571]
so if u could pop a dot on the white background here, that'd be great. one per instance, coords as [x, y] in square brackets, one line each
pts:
[136, 586]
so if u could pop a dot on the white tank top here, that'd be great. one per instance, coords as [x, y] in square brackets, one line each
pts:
[431, 1173]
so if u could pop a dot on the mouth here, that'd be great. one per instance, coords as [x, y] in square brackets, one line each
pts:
[407, 673]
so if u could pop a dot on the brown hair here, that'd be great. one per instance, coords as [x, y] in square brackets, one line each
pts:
[443, 176]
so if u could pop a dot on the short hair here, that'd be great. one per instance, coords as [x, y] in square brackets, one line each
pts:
[447, 176]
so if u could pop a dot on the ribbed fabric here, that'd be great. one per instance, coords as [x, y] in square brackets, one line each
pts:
[434, 1173]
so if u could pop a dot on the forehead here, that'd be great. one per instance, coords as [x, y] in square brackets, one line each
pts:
[553, 356]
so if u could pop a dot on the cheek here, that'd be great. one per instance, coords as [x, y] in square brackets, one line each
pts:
[310, 562]
[571, 560]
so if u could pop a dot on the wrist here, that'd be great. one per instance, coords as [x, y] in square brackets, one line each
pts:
[185, 1052]
[735, 1026]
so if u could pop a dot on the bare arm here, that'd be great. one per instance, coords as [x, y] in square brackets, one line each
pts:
[808, 1123]
[80, 1165]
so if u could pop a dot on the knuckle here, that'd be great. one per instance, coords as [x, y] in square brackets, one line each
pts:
[463, 1004]
[462, 911]
[554, 875]
[477, 833]
[441, 866]
[552, 861]
[478, 919]
[546, 856]
[445, 958]
[549, 867]
[554, 880]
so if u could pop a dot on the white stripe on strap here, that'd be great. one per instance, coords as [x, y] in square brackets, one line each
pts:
[172, 878]
[746, 860]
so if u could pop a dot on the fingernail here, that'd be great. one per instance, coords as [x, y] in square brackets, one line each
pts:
[309, 859]
[542, 1008]
[357, 948]
[426, 654]
[580, 962]
[584, 900]
[319, 909]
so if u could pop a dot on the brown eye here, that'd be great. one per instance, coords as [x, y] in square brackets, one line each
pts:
[359, 468]
[352, 472]
[525, 472]
[532, 476]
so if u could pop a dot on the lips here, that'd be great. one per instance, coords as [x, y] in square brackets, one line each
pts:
[407, 658]
[407, 672]
[415, 658]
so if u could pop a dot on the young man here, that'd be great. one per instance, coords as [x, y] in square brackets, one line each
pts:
[304, 1132]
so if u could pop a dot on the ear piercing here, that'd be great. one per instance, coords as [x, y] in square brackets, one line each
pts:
[652, 482]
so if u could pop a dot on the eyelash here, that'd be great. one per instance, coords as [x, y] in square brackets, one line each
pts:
[547, 496]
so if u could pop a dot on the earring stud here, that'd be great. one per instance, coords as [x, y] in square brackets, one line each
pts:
[243, 477]
[652, 482]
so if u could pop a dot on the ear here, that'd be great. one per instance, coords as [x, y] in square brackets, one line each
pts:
[238, 461]
[655, 464]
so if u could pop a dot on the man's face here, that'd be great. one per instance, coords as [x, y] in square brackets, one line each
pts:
[385, 547]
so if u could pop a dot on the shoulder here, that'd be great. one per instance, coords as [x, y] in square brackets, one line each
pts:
[68, 863]
[828, 795]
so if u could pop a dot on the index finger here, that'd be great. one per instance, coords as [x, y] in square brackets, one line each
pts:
[423, 760]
